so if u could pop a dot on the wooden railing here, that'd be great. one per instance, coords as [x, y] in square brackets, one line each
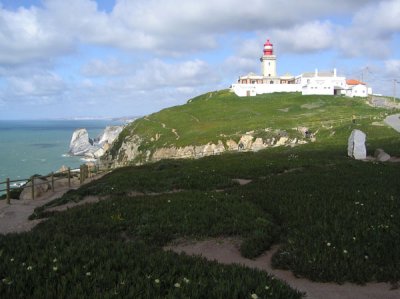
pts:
[84, 172]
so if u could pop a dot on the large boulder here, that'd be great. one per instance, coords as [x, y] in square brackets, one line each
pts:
[381, 155]
[356, 145]
[80, 143]
[41, 187]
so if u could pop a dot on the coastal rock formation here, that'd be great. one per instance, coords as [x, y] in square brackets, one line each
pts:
[80, 143]
[356, 145]
[190, 151]
[109, 134]
[130, 149]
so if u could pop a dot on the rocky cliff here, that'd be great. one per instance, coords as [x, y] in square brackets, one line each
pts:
[80, 142]
[131, 148]
[217, 122]
[82, 145]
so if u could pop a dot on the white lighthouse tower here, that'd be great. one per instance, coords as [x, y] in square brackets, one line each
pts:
[268, 60]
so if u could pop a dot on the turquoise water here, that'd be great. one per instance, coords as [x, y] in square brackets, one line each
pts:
[39, 146]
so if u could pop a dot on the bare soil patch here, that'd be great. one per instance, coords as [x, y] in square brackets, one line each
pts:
[242, 181]
[226, 251]
[14, 216]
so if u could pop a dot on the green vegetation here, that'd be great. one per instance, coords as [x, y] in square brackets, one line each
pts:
[336, 219]
[222, 116]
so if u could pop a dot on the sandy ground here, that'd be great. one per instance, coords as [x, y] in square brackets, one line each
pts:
[226, 251]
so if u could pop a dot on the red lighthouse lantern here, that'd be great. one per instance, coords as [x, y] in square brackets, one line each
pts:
[268, 48]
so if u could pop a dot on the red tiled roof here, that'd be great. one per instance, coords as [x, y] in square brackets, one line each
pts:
[354, 82]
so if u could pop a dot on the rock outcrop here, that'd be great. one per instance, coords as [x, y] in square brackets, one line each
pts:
[109, 134]
[130, 148]
[356, 145]
[82, 145]
[381, 155]
[41, 187]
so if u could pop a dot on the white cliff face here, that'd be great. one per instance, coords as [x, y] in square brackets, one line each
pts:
[110, 134]
[130, 149]
[80, 143]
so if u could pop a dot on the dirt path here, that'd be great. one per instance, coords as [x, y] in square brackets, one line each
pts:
[226, 251]
[393, 121]
[14, 216]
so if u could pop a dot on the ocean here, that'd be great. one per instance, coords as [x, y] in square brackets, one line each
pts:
[29, 147]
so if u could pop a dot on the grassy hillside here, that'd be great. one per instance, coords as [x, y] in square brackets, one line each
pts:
[335, 218]
[222, 115]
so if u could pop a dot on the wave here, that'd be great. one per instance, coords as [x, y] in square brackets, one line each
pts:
[88, 159]
[18, 184]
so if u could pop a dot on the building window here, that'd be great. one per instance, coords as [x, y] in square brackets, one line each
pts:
[271, 82]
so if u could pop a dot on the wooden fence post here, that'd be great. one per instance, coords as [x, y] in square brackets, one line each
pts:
[81, 174]
[33, 187]
[52, 181]
[69, 177]
[8, 191]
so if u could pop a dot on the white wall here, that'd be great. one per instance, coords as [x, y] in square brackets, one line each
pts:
[321, 85]
[359, 90]
[243, 90]
[311, 89]
[269, 66]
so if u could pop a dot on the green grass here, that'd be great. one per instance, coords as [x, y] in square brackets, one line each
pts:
[65, 267]
[222, 116]
[301, 197]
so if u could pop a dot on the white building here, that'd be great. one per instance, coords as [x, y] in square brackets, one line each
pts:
[357, 88]
[316, 83]
[321, 83]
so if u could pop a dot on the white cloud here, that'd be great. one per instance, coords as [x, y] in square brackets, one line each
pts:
[37, 87]
[27, 35]
[100, 68]
[157, 74]
[372, 30]
[392, 67]
[307, 37]
[164, 27]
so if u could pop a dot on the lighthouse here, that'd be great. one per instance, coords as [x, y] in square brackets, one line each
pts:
[268, 60]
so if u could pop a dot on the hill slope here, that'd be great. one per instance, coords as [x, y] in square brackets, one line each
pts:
[219, 121]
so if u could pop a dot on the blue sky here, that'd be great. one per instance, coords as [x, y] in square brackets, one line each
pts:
[86, 58]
